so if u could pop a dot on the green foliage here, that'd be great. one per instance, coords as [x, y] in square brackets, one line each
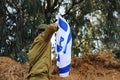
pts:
[22, 57]
[95, 24]
[116, 53]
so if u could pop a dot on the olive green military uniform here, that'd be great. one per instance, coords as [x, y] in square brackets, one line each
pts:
[40, 55]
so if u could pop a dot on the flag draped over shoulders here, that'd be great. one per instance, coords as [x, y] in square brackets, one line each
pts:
[63, 46]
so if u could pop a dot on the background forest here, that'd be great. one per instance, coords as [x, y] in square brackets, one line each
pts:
[95, 24]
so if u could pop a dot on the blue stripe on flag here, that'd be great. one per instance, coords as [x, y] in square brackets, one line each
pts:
[68, 40]
[69, 37]
[63, 24]
[64, 69]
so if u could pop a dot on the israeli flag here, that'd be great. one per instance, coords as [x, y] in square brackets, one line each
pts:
[63, 47]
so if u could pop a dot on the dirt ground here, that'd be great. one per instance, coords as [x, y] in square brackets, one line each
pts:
[12, 70]
[92, 67]
[87, 67]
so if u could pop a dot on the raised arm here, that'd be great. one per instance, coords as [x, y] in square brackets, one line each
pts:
[50, 29]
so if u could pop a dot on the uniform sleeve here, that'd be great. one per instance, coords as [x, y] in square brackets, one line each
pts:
[47, 34]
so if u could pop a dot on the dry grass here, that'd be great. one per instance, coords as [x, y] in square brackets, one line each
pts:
[93, 67]
[88, 67]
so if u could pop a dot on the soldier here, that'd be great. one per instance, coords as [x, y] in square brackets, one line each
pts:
[40, 53]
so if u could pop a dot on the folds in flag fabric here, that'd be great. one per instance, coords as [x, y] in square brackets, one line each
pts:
[63, 46]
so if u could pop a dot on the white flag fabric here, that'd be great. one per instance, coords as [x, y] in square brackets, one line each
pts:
[63, 46]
